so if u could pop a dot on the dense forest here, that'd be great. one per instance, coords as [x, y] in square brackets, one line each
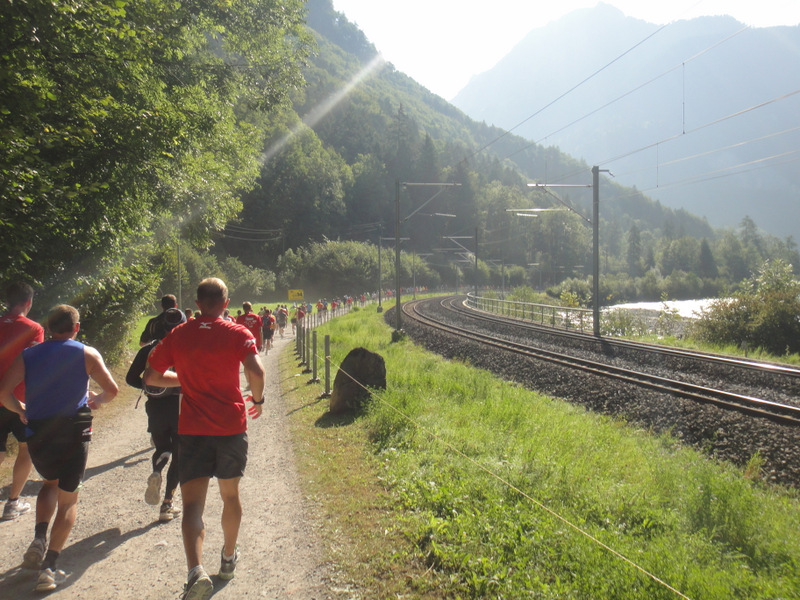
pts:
[145, 145]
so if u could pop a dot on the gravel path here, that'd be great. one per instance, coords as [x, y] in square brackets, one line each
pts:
[119, 550]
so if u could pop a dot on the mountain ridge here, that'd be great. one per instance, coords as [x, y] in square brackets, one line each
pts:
[642, 89]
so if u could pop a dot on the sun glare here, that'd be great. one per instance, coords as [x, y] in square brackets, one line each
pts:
[316, 114]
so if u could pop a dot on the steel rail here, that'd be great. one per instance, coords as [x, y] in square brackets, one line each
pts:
[742, 363]
[758, 407]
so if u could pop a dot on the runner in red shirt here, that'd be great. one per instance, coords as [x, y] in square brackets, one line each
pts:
[253, 323]
[268, 328]
[17, 332]
[206, 353]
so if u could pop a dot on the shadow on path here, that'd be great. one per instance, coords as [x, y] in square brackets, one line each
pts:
[125, 462]
[32, 486]
[18, 583]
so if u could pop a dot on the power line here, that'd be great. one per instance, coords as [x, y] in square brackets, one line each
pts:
[242, 229]
[713, 151]
[724, 172]
[569, 91]
[244, 239]
[629, 92]
[705, 177]
[689, 132]
[704, 126]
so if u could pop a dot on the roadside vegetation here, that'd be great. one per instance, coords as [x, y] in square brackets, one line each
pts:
[456, 484]
[760, 320]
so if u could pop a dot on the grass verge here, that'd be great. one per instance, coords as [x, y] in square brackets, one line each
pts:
[456, 484]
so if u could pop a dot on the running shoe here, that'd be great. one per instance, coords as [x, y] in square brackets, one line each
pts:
[49, 580]
[227, 567]
[32, 559]
[15, 508]
[168, 512]
[199, 586]
[153, 493]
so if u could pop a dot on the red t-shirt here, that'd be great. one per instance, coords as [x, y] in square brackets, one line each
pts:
[206, 354]
[17, 333]
[253, 323]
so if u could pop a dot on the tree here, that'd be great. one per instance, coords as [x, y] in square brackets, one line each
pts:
[634, 254]
[120, 119]
[764, 314]
[707, 265]
[331, 269]
[300, 192]
[402, 145]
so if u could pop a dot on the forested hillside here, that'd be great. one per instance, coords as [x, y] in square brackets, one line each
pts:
[145, 145]
[365, 126]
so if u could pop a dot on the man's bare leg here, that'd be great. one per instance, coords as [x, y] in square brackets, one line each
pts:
[21, 472]
[47, 501]
[65, 519]
[193, 495]
[231, 512]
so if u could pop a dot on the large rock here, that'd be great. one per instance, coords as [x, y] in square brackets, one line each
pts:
[359, 370]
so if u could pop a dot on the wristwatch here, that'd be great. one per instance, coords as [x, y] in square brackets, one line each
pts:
[259, 402]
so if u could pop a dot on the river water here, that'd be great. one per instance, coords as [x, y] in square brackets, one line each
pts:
[685, 308]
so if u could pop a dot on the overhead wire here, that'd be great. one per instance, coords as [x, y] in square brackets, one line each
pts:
[665, 140]
[632, 91]
[724, 172]
[714, 150]
[565, 94]
[738, 113]
[243, 229]
[244, 239]
[649, 146]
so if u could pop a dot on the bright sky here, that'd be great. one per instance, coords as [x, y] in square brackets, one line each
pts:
[442, 43]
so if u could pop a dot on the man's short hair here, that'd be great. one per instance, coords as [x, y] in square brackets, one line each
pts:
[169, 301]
[18, 293]
[212, 292]
[247, 306]
[62, 318]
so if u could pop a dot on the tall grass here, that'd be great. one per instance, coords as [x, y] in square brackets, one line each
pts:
[509, 494]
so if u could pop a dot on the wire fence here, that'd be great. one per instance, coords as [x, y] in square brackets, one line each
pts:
[560, 317]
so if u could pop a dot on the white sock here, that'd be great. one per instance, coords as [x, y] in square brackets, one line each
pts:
[194, 571]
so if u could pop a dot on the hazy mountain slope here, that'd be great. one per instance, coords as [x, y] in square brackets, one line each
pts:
[665, 100]
[362, 119]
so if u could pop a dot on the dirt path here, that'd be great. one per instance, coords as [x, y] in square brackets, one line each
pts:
[119, 550]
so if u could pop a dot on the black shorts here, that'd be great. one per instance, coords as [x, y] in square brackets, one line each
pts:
[220, 456]
[162, 415]
[59, 448]
[10, 423]
[268, 333]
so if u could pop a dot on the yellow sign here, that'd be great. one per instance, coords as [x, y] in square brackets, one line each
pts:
[295, 295]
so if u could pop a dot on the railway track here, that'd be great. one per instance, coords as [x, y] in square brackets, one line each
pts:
[784, 379]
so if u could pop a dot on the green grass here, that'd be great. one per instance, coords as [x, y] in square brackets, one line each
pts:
[456, 484]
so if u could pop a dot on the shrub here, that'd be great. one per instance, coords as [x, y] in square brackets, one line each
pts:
[764, 314]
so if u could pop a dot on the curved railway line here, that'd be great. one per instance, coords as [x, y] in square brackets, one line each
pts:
[732, 408]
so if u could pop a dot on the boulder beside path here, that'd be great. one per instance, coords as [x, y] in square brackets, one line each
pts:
[360, 370]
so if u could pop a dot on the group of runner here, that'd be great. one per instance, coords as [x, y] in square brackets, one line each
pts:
[189, 371]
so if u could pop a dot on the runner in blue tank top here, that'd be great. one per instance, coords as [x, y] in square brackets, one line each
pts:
[58, 413]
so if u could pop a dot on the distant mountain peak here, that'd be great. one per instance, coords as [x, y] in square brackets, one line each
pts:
[701, 109]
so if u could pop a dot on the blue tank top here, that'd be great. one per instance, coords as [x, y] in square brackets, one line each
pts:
[56, 381]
